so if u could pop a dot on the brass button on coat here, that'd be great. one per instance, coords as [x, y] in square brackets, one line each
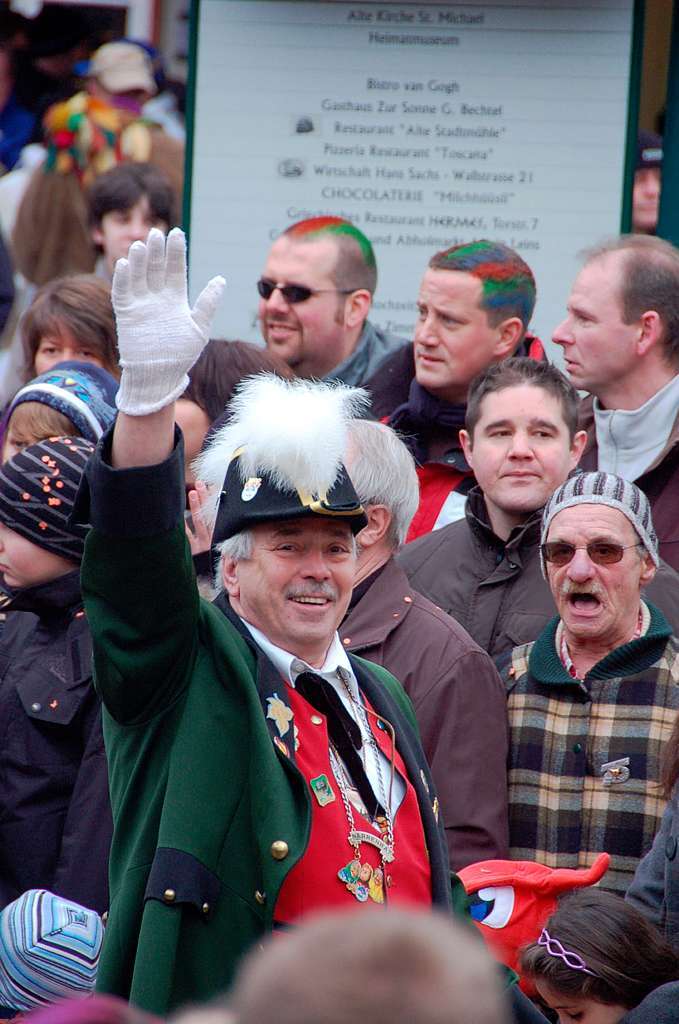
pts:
[206, 908]
[260, 897]
[169, 895]
[279, 849]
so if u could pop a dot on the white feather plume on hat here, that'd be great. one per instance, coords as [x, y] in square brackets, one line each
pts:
[294, 432]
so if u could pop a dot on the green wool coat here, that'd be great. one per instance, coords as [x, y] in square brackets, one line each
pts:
[199, 791]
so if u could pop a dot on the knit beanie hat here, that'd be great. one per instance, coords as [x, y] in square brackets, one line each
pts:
[83, 392]
[38, 487]
[49, 950]
[604, 489]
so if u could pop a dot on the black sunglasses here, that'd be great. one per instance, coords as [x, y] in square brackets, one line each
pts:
[294, 293]
[601, 552]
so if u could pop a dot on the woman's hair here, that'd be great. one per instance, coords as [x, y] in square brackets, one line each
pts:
[221, 366]
[597, 946]
[82, 304]
[31, 422]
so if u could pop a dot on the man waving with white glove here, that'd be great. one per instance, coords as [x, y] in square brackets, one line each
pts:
[258, 772]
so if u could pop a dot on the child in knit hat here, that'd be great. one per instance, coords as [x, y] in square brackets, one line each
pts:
[55, 827]
[73, 399]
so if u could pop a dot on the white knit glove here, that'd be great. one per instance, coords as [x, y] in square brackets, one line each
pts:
[159, 336]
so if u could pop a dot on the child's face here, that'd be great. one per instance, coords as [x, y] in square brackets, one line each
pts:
[24, 564]
[57, 348]
[120, 228]
[579, 1010]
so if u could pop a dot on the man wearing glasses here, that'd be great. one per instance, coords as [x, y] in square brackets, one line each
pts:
[315, 291]
[593, 699]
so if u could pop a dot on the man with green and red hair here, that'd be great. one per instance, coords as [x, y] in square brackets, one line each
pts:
[315, 292]
[475, 303]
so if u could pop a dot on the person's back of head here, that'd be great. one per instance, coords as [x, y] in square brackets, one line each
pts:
[387, 968]
[383, 473]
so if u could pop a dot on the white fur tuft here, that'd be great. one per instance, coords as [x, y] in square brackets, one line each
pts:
[294, 432]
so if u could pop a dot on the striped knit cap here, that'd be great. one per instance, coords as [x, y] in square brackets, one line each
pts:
[49, 950]
[604, 489]
[38, 487]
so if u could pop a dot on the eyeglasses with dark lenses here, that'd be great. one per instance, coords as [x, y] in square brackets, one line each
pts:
[294, 293]
[601, 552]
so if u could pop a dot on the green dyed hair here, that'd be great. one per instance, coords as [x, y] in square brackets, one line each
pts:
[507, 281]
[356, 267]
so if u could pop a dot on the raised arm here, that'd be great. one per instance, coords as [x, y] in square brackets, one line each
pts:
[159, 338]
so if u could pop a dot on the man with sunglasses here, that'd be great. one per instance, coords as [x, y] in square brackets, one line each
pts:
[315, 293]
[592, 701]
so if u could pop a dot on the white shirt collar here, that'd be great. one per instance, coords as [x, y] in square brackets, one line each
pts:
[290, 666]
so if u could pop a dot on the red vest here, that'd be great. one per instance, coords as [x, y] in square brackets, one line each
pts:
[313, 883]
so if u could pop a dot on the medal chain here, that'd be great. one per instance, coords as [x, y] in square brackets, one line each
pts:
[336, 764]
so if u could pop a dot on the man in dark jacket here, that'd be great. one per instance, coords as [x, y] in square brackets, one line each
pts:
[475, 302]
[521, 438]
[621, 343]
[456, 692]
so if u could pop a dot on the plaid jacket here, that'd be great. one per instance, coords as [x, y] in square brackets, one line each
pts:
[566, 802]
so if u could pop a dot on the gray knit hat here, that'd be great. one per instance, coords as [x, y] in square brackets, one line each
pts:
[604, 489]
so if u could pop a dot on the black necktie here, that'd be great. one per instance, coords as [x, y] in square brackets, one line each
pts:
[344, 732]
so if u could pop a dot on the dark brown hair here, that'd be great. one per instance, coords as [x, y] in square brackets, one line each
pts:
[82, 304]
[627, 955]
[221, 366]
[511, 373]
[119, 189]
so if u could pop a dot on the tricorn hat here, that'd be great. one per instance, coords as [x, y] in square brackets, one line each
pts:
[280, 456]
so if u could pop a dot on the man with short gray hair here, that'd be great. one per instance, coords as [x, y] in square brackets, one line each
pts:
[453, 685]
[592, 701]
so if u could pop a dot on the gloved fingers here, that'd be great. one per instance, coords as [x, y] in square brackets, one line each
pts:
[121, 291]
[206, 304]
[137, 258]
[175, 261]
[155, 249]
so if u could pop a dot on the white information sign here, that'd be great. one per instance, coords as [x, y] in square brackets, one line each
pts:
[425, 124]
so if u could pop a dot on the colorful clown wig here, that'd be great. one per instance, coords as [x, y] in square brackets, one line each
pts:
[508, 285]
[356, 267]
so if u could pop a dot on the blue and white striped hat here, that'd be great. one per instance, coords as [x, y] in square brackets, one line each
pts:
[49, 950]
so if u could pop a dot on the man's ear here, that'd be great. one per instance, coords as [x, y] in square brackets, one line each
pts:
[97, 236]
[577, 447]
[467, 448]
[230, 576]
[509, 334]
[357, 307]
[648, 569]
[651, 333]
[379, 521]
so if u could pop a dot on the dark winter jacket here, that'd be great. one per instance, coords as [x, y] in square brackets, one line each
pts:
[655, 886]
[55, 817]
[495, 589]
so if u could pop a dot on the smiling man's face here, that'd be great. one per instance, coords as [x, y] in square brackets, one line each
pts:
[296, 585]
